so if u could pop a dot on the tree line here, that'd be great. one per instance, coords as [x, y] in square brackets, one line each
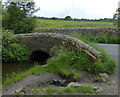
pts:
[76, 19]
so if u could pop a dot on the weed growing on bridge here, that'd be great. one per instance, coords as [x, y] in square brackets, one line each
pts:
[69, 60]
[105, 65]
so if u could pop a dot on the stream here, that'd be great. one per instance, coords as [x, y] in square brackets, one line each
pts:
[12, 68]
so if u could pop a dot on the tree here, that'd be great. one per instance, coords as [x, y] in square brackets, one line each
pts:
[18, 16]
[68, 18]
[117, 16]
[54, 18]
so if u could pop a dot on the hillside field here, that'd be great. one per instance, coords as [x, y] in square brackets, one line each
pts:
[44, 24]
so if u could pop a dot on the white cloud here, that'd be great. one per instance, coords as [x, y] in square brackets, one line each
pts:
[77, 8]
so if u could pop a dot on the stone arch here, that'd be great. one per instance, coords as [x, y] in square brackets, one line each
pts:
[46, 41]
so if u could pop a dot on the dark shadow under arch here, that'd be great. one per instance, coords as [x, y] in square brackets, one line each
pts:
[40, 57]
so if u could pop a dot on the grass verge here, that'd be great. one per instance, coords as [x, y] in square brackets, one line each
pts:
[106, 64]
[106, 38]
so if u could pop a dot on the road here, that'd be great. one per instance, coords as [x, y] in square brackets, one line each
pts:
[113, 51]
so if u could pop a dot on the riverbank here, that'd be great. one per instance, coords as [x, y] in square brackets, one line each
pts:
[32, 82]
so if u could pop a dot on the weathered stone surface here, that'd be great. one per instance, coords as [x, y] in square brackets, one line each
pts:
[104, 76]
[47, 41]
[81, 30]
[100, 89]
[74, 84]
[58, 82]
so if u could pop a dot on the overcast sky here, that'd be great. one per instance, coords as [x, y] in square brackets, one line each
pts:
[91, 9]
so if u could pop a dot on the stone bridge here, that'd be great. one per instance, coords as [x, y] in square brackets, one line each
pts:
[52, 42]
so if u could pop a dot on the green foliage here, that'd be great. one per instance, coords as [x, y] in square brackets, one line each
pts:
[118, 22]
[70, 73]
[62, 60]
[105, 65]
[68, 18]
[26, 25]
[82, 89]
[12, 51]
[7, 38]
[66, 60]
[70, 90]
[117, 17]
[50, 90]
[15, 17]
[99, 79]
[100, 38]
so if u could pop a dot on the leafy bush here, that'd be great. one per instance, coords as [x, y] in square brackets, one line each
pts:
[12, 51]
[26, 25]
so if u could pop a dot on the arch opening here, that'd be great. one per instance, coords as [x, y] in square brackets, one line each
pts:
[40, 57]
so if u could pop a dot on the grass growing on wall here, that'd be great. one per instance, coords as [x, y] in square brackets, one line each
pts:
[44, 24]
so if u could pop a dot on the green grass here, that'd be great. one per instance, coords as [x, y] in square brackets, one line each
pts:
[51, 90]
[20, 76]
[82, 89]
[44, 24]
[105, 64]
[106, 38]
[70, 90]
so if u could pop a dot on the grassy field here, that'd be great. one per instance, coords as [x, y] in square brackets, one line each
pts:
[44, 24]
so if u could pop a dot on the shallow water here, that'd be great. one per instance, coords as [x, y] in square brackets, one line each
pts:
[9, 69]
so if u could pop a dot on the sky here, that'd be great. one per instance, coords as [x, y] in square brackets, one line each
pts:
[90, 9]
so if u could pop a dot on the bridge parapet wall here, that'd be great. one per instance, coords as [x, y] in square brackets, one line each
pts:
[82, 31]
[47, 41]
